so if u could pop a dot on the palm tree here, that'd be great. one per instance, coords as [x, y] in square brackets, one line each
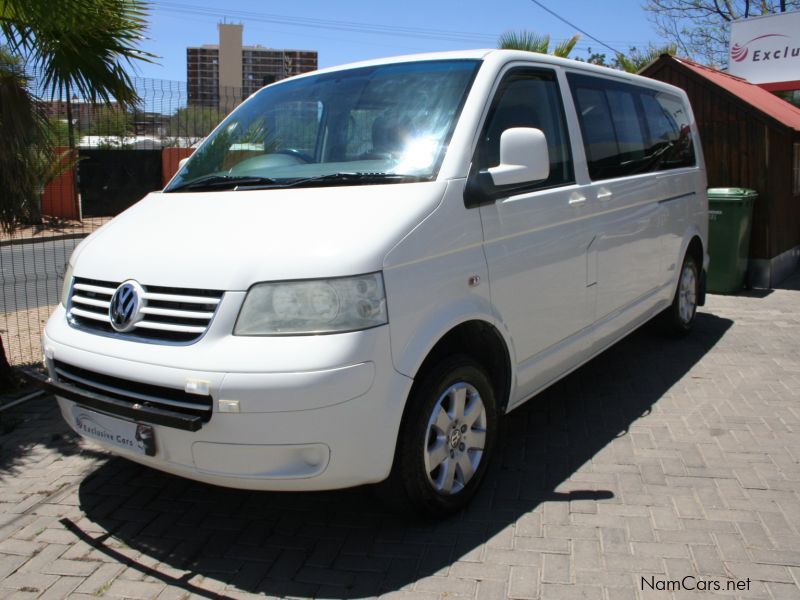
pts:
[23, 129]
[637, 60]
[81, 48]
[534, 42]
[78, 46]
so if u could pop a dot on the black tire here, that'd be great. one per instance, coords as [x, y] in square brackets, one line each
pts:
[410, 485]
[677, 320]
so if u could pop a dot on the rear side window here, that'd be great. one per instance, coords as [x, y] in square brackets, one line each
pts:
[671, 144]
[628, 129]
[529, 98]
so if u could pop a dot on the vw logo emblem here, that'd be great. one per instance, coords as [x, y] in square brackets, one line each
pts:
[124, 310]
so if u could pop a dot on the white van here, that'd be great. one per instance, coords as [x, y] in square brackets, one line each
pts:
[362, 268]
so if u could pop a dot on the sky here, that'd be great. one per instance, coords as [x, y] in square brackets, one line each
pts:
[351, 30]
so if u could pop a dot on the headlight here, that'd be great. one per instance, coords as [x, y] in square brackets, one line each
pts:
[67, 285]
[313, 306]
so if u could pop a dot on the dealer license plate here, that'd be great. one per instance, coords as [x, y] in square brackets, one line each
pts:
[128, 435]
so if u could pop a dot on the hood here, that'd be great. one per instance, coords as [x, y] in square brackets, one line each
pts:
[231, 240]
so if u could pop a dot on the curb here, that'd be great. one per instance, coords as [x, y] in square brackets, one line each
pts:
[52, 238]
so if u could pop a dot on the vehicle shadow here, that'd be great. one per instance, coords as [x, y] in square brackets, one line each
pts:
[345, 544]
[30, 431]
[790, 283]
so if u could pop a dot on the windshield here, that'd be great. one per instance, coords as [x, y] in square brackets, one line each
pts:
[378, 124]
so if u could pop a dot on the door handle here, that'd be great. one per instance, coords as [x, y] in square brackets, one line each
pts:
[605, 195]
[576, 198]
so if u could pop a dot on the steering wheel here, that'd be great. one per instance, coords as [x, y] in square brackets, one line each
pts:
[293, 152]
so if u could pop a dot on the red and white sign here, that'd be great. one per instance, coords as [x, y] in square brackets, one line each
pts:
[766, 50]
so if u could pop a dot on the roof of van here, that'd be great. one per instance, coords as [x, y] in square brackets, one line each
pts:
[757, 97]
[488, 53]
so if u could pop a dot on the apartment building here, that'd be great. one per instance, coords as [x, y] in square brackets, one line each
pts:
[221, 75]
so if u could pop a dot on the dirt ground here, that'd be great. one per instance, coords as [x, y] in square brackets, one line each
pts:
[55, 227]
[23, 333]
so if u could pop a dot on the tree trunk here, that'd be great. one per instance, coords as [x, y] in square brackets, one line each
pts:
[72, 150]
[7, 378]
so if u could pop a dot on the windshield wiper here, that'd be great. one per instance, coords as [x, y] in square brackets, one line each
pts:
[346, 178]
[221, 182]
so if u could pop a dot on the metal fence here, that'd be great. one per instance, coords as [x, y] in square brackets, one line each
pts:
[167, 115]
[124, 154]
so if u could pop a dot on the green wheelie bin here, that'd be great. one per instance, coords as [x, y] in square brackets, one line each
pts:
[730, 212]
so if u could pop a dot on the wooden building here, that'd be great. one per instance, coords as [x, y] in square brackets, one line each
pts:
[751, 138]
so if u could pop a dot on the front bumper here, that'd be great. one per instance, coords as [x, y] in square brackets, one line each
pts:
[314, 429]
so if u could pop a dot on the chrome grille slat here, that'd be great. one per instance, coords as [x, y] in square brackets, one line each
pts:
[170, 327]
[181, 299]
[115, 390]
[134, 394]
[171, 315]
[91, 301]
[84, 287]
[87, 314]
[169, 312]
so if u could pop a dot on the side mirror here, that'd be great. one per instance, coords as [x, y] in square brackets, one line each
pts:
[524, 158]
[182, 162]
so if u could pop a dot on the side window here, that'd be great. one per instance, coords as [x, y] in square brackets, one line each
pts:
[670, 135]
[628, 129]
[597, 127]
[529, 98]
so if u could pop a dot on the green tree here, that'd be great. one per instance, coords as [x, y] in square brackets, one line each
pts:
[59, 131]
[81, 48]
[194, 122]
[636, 60]
[111, 121]
[701, 28]
[77, 47]
[530, 41]
[23, 129]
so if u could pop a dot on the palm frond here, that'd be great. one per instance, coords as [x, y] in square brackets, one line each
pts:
[528, 41]
[565, 48]
[83, 47]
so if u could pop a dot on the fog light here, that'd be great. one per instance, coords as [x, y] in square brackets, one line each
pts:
[228, 406]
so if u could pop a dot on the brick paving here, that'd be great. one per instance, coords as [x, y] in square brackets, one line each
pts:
[656, 461]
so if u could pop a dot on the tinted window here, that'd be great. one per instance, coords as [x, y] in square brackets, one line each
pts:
[628, 129]
[670, 133]
[529, 98]
[599, 137]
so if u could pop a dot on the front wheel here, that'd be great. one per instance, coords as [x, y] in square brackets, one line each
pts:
[445, 440]
[679, 318]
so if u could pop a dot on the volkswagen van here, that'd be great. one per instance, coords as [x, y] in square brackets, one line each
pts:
[362, 269]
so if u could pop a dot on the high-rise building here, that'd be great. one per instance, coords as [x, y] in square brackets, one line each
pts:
[221, 75]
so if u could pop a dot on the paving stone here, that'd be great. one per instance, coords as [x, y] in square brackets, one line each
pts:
[523, 583]
[134, 589]
[556, 568]
[655, 459]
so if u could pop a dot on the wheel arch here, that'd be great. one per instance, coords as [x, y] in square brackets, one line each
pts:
[694, 246]
[481, 341]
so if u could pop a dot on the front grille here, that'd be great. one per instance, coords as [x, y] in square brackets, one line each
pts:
[171, 314]
[145, 394]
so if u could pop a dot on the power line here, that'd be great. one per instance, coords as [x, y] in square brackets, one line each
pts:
[355, 27]
[584, 32]
[467, 37]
